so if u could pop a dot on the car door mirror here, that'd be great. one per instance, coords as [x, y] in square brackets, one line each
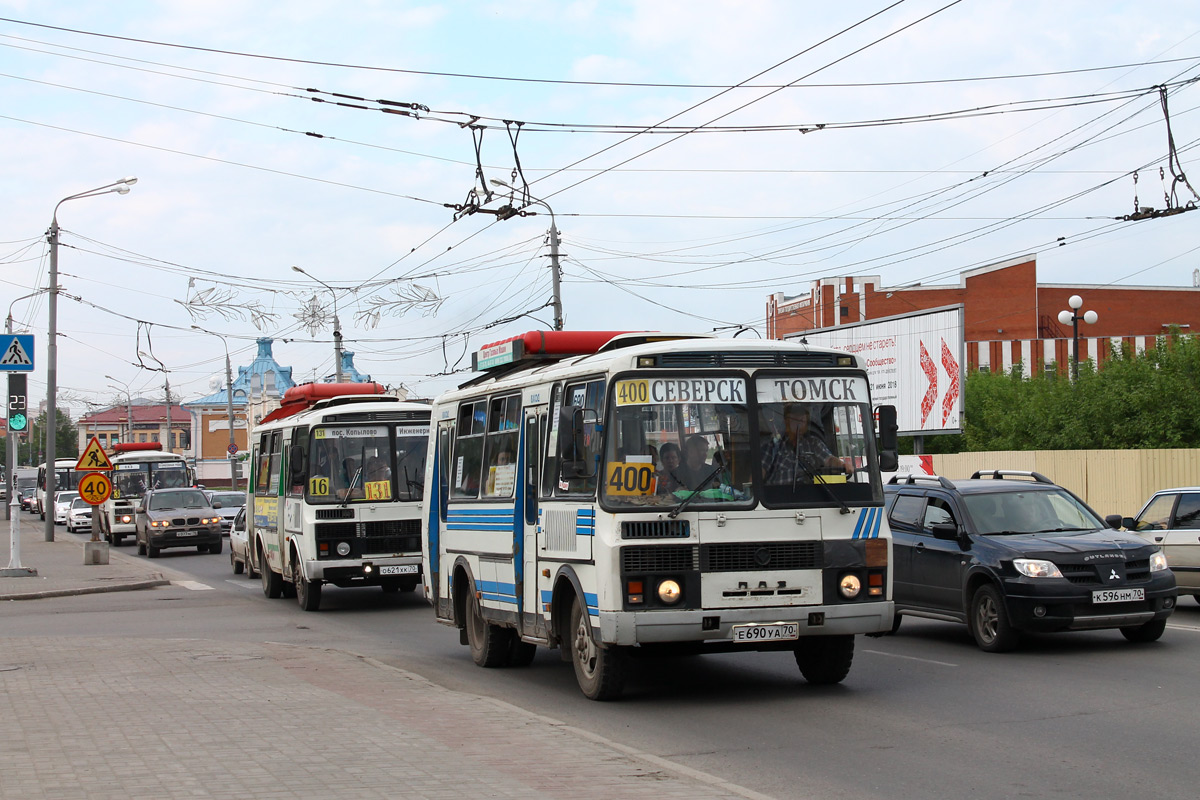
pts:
[1129, 523]
[1116, 521]
[944, 530]
[140, 510]
[215, 506]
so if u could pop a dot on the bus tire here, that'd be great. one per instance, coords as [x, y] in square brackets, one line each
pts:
[488, 643]
[272, 581]
[825, 660]
[308, 593]
[600, 671]
[520, 654]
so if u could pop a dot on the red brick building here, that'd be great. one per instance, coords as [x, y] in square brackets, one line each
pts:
[1009, 317]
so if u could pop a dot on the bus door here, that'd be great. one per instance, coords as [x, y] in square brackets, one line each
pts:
[532, 620]
[292, 485]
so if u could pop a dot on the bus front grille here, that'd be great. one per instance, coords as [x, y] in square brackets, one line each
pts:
[648, 558]
[754, 556]
[371, 538]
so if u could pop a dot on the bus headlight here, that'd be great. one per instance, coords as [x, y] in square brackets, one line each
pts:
[126, 519]
[850, 586]
[669, 592]
[343, 549]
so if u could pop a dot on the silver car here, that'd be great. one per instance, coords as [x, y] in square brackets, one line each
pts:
[1171, 519]
[62, 505]
[227, 505]
[79, 517]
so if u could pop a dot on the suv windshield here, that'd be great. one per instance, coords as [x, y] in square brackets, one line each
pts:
[1042, 511]
[787, 440]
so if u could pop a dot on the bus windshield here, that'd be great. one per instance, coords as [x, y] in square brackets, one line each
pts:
[65, 480]
[132, 479]
[357, 463]
[732, 442]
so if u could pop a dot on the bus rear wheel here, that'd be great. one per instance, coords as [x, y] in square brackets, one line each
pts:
[600, 671]
[272, 581]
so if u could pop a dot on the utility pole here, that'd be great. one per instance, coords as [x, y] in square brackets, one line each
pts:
[555, 277]
[170, 433]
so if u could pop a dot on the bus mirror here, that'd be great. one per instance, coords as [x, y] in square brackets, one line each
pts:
[296, 463]
[889, 460]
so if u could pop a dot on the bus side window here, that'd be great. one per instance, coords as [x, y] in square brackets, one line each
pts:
[579, 437]
[468, 449]
[298, 461]
[550, 443]
[445, 470]
[263, 452]
[276, 460]
[503, 421]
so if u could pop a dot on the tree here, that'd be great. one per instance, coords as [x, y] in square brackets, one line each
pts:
[66, 437]
[1139, 400]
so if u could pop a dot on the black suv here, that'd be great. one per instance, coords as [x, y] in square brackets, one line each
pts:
[1005, 555]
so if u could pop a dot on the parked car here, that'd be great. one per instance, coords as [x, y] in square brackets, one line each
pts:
[230, 504]
[1007, 552]
[79, 517]
[1171, 520]
[239, 546]
[62, 505]
[27, 491]
[176, 518]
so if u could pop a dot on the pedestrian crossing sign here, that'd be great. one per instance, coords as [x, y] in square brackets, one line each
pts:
[17, 355]
[94, 459]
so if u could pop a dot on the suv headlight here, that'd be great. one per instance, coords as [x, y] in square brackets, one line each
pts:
[1036, 568]
[1158, 562]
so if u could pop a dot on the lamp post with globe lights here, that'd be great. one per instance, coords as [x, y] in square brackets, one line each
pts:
[1072, 316]
[120, 187]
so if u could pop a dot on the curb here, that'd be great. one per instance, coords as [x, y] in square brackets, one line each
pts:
[120, 587]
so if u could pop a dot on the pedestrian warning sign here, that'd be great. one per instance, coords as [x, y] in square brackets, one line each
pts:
[17, 355]
[94, 458]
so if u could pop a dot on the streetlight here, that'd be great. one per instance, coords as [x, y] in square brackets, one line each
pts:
[233, 481]
[128, 437]
[1073, 316]
[556, 295]
[337, 327]
[120, 187]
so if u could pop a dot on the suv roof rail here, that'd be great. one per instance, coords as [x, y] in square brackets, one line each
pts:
[911, 478]
[998, 474]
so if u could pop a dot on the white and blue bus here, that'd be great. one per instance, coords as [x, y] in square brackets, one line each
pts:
[601, 492]
[335, 492]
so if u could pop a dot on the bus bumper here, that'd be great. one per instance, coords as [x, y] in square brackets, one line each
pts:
[367, 572]
[715, 626]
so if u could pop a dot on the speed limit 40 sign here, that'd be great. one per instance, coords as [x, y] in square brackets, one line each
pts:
[95, 488]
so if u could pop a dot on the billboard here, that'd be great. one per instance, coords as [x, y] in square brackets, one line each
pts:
[915, 362]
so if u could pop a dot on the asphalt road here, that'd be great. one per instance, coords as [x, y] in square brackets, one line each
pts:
[922, 714]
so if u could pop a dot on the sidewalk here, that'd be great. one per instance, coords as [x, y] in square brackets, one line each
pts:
[60, 568]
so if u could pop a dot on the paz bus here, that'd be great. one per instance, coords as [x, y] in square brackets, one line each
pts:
[137, 467]
[335, 491]
[604, 493]
[65, 480]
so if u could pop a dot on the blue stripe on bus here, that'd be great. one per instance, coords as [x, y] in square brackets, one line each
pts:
[878, 522]
[866, 522]
[589, 598]
[479, 527]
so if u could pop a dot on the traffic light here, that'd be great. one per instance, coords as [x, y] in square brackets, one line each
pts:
[18, 421]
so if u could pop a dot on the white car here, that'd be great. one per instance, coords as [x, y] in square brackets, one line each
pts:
[239, 546]
[62, 506]
[227, 505]
[1171, 519]
[79, 517]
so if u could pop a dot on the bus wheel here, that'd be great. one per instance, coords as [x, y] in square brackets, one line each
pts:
[600, 671]
[272, 581]
[825, 659]
[489, 643]
[308, 593]
[520, 654]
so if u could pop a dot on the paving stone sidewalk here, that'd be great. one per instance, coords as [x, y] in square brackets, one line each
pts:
[102, 718]
[60, 568]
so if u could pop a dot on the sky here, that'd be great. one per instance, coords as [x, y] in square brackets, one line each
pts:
[698, 156]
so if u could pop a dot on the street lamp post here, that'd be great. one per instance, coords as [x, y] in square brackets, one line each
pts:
[232, 450]
[337, 326]
[555, 274]
[120, 187]
[128, 437]
[1073, 316]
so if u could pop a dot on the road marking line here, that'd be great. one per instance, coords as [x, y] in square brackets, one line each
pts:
[911, 658]
[1183, 627]
[243, 584]
[195, 586]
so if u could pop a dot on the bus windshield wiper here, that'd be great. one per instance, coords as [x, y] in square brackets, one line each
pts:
[695, 493]
[816, 479]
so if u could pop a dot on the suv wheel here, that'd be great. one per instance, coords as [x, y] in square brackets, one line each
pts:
[1151, 631]
[989, 621]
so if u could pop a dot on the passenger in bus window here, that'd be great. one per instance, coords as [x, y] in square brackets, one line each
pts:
[668, 478]
[788, 456]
